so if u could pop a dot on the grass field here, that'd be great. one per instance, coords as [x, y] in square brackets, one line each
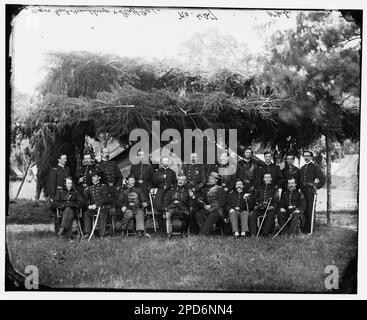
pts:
[195, 263]
[214, 263]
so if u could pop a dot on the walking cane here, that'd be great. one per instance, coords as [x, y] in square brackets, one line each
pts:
[262, 221]
[95, 224]
[313, 211]
[151, 205]
[289, 219]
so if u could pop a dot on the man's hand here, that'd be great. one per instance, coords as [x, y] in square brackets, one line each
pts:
[232, 211]
[282, 210]
[296, 211]
[225, 189]
[81, 179]
[144, 204]
[92, 207]
[207, 206]
[237, 208]
[123, 209]
[246, 195]
[140, 181]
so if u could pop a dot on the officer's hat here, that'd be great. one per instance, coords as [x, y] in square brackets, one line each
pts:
[214, 174]
[96, 171]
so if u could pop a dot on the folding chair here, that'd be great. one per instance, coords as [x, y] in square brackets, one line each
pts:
[77, 218]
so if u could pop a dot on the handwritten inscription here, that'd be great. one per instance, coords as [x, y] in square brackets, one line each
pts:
[205, 15]
[202, 15]
[125, 12]
[279, 13]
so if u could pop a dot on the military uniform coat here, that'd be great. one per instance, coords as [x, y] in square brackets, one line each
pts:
[56, 180]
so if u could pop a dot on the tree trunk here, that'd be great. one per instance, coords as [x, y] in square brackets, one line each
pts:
[328, 178]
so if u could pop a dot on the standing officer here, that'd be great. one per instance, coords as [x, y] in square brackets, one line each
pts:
[311, 179]
[176, 204]
[238, 208]
[291, 205]
[83, 175]
[290, 171]
[273, 169]
[212, 205]
[227, 172]
[56, 177]
[56, 181]
[97, 196]
[164, 179]
[264, 195]
[132, 202]
[143, 173]
[110, 172]
[248, 169]
[196, 178]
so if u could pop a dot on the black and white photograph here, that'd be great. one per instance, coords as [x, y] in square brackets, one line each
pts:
[182, 149]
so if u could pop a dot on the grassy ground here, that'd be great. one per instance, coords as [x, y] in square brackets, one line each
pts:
[195, 263]
[28, 212]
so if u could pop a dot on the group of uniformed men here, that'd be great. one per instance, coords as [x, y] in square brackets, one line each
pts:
[201, 196]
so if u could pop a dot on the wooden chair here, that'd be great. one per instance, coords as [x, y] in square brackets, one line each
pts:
[77, 218]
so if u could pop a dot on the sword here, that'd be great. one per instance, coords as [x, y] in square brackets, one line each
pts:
[313, 211]
[262, 221]
[289, 219]
[151, 205]
[95, 224]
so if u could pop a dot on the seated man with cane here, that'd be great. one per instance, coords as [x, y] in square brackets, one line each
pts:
[177, 203]
[97, 197]
[132, 202]
[291, 207]
[238, 208]
[266, 198]
[67, 200]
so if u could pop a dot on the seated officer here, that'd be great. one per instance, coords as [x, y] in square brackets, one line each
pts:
[291, 206]
[176, 204]
[132, 202]
[265, 197]
[97, 196]
[212, 204]
[67, 200]
[238, 208]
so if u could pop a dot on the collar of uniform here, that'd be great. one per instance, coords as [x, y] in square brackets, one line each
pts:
[310, 162]
[61, 166]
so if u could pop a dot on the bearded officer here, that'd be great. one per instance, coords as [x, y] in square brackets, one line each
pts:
[238, 208]
[290, 171]
[176, 204]
[110, 172]
[291, 206]
[97, 196]
[266, 199]
[142, 172]
[164, 179]
[196, 178]
[248, 169]
[83, 175]
[227, 172]
[132, 201]
[311, 179]
[212, 205]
